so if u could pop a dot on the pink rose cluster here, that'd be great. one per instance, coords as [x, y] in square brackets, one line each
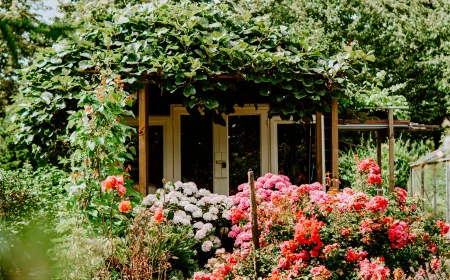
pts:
[117, 183]
[114, 182]
[373, 269]
[372, 169]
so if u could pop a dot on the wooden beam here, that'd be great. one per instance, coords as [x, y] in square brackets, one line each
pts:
[334, 143]
[391, 149]
[319, 148]
[379, 138]
[143, 140]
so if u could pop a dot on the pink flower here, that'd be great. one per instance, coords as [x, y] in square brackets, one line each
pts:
[119, 181]
[320, 272]
[435, 263]
[121, 190]
[398, 234]
[124, 206]
[373, 270]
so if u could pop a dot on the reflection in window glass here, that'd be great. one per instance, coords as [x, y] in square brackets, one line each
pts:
[244, 144]
[197, 151]
[295, 152]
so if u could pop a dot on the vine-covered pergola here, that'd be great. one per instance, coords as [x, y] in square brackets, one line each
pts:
[203, 52]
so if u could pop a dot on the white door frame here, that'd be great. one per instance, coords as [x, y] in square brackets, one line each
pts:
[220, 144]
[166, 123]
[274, 122]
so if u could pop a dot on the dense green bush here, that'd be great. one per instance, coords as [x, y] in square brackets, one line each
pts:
[29, 201]
[405, 152]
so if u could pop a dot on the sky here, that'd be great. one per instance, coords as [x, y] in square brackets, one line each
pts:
[48, 15]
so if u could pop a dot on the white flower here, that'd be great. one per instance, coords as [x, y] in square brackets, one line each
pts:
[183, 203]
[204, 192]
[207, 227]
[215, 240]
[213, 210]
[149, 200]
[169, 186]
[220, 251]
[173, 200]
[226, 214]
[193, 200]
[206, 246]
[190, 208]
[178, 185]
[198, 225]
[200, 234]
[197, 214]
[207, 216]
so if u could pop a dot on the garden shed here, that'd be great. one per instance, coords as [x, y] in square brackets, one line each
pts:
[217, 92]
[430, 178]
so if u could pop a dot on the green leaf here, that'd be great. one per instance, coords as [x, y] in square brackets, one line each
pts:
[47, 97]
[188, 91]
[91, 145]
[211, 104]
[55, 60]
[370, 57]
[265, 91]
[84, 64]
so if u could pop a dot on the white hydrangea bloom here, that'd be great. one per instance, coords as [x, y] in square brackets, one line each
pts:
[207, 246]
[226, 214]
[173, 200]
[204, 192]
[200, 234]
[215, 240]
[208, 216]
[207, 227]
[197, 214]
[213, 210]
[193, 200]
[178, 185]
[198, 225]
[190, 208]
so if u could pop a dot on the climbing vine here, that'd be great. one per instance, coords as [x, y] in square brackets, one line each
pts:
[200, 52]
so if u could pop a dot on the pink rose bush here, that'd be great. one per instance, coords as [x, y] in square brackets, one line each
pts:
[306, 233]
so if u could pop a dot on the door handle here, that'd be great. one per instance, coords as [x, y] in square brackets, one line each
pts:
[222, 162]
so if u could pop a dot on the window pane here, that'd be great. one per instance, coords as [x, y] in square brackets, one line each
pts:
[295, 155]
[197, 151]
[244, 141]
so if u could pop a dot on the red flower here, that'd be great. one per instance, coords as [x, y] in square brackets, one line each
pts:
[401, 194]
[235, 215]
[398, 234]
[355, 256]
[159, 217]
[378, 203]
[444, 227]
[374, 179]
[109, 183]
[124, 206]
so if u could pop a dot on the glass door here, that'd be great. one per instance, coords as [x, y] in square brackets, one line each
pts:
[217, 157]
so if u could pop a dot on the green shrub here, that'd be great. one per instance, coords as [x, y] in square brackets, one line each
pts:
[405, 152]
[28, 214]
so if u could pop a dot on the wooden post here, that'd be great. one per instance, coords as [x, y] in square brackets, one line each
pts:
[391, 149]
[143, 140]
[334, 144]
[254, 217]
[423, 187]
[447, 191]
[379, 138]
[434, 191]
[319, 148]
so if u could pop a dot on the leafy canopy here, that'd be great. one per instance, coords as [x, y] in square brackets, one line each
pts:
[185, 48]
